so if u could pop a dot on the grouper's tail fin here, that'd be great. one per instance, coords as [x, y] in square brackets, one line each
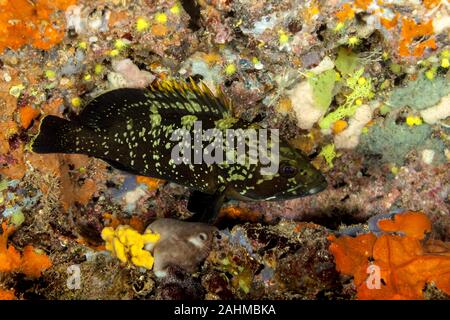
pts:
[56, 135]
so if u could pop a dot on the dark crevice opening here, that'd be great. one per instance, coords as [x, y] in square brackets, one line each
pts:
[193, 10]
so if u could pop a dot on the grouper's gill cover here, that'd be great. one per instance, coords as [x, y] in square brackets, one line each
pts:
[131, 130]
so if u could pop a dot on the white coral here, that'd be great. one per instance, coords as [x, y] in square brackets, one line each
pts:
[324, 65]
[116, 80]
[441, 24]
[306, 112]
[438, 112]
[349, 138]
[134, 77]
[74, 19]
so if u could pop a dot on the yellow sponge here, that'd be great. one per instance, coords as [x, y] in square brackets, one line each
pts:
[127, 245]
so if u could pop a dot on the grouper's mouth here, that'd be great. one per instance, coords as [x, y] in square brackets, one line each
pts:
[320, 187]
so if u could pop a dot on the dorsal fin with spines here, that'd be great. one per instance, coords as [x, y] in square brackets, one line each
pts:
[200, 97]
[169, 96]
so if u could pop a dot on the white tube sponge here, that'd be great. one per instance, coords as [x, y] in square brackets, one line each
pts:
[349, 138]
[441, 24]
[438, 112]
[74, 19]
[306, 112]
[134, 77]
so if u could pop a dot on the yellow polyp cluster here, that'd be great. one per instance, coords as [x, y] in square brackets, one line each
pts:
[83, 45]
[128, 245]
[142, 24]
[339, 27]
[50, 74]
[283, 37]
[119, 44]
[230, 69]
[445, 61]
[76, 102]
[176, 9]
[430, 74]
[161, 17]
[394, 170]
[353, 41]
[413, 121]
[114, 53]
[98, 68]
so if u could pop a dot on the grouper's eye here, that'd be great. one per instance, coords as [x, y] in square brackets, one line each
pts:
[287, 169]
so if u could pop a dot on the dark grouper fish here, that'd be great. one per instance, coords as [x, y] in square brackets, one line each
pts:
[131, 129]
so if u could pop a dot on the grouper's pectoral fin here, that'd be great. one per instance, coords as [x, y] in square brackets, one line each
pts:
[205, 206]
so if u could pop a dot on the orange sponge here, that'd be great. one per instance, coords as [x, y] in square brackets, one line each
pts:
[411, 223]
[404, 264]
[31, 22]
[30, 262]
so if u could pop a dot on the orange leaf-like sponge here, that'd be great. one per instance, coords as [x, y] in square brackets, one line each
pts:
[33, 264]
[404, 265]
[9, 257]
[363, 4]
[152, 183]
[351, 255]
[412, 30]
[31, 22]
[30, 263]
[346, 13]
[27, 114]
[411, 223]
[7, 295]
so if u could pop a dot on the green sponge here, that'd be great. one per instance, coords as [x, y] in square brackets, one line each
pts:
[394, 141]
[420, 94]
[322, 86]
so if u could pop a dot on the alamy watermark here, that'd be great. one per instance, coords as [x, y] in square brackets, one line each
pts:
[373, 281]
[242, 146]
[74, 277]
